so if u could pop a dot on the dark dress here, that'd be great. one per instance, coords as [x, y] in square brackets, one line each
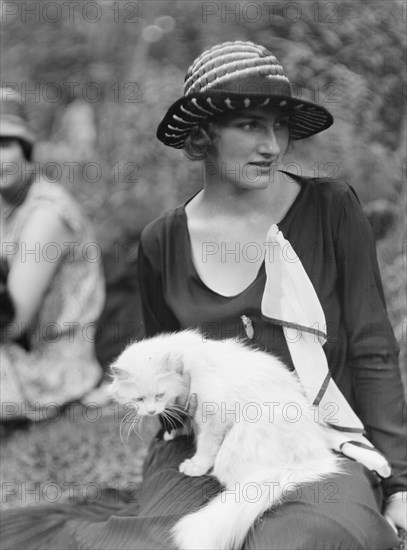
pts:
[330, 235]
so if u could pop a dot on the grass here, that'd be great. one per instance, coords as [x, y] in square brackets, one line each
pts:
[73, 456]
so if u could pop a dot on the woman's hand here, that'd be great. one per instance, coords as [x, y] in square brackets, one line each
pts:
[396, 511]
[189, 403]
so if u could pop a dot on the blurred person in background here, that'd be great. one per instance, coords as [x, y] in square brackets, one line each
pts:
[56, 292]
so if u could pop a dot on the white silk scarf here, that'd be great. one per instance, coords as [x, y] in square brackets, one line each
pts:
[290, 300]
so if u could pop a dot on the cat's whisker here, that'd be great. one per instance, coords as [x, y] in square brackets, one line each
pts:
[180, 409]
[173, 414]
[173, 419]
[128, 418]
[121, 433]
[168, 418]
[132, 426]
[140, 428]
[178, 417]
[134, 429]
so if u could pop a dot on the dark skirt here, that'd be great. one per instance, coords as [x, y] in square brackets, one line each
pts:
[342, 513]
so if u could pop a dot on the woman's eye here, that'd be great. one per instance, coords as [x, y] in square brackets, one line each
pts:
[159, 396]
[247, 126]
[6, 142]
[282, 123]
[139, 399]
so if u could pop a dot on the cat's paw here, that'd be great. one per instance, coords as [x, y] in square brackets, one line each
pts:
[193, 468]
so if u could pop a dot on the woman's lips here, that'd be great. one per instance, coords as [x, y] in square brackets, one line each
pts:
[263, 166]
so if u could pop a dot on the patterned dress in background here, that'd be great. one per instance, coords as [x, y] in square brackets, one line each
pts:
[60, 365]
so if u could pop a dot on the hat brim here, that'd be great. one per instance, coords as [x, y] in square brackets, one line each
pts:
[305, 118]
[15, 127]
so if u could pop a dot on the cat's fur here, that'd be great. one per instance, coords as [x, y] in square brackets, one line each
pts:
[260, 451]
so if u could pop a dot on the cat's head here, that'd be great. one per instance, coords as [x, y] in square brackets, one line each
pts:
[147, 378]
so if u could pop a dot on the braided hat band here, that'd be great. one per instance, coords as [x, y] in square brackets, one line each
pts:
[234, 76]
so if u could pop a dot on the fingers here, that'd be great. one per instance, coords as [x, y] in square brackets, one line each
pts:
[391, 523]
[183, 399]
[192, 404]
[396, 511]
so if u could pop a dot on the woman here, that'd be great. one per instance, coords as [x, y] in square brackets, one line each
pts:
[203, 265]
[237, 114]
[47, 351]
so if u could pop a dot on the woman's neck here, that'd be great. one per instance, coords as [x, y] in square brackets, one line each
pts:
[229, 201]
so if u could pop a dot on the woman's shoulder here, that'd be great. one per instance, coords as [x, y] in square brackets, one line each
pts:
[163, 227]
[50, 195]
[324, 185]
[328, 192]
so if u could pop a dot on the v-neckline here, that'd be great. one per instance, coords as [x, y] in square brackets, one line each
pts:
[261, 270]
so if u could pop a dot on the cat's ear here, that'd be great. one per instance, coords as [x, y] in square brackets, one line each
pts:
[118, 373]
[171, 364]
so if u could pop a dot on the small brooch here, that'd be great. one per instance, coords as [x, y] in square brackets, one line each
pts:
[248, 326]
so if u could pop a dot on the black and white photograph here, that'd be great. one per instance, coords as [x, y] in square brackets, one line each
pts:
[203, 275]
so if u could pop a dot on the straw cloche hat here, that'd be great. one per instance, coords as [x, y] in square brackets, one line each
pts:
[235, 76]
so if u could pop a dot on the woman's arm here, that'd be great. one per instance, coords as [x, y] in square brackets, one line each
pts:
[157, 315]
[157, 318]
[372, 349]
[35, 265]
[6, 303]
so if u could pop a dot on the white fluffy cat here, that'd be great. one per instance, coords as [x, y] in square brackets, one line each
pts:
[254, 427]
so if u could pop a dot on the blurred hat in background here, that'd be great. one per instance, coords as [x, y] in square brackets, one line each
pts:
[13, 117]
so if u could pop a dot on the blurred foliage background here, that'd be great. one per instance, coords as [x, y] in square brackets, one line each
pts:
[98, 76]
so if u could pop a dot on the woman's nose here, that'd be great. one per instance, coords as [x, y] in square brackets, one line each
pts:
[268, 144]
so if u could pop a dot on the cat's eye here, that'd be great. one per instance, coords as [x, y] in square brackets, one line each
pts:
[159, 395]
[139, 399]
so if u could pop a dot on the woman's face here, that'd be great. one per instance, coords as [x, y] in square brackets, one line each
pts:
[11, 164]
[250, 147]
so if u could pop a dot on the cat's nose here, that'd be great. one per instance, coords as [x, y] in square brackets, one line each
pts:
[151, 411]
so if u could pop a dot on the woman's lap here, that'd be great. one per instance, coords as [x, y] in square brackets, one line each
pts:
[340, 513]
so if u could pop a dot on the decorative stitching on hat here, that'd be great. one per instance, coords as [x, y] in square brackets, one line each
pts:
[230, 62]
[227, 47]
[179, 119]
[190, 113]
[171, 135]
[210, 102]
[210, 79]
[175, 129]
[220, 65]
[246, 72]
[195, 103]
